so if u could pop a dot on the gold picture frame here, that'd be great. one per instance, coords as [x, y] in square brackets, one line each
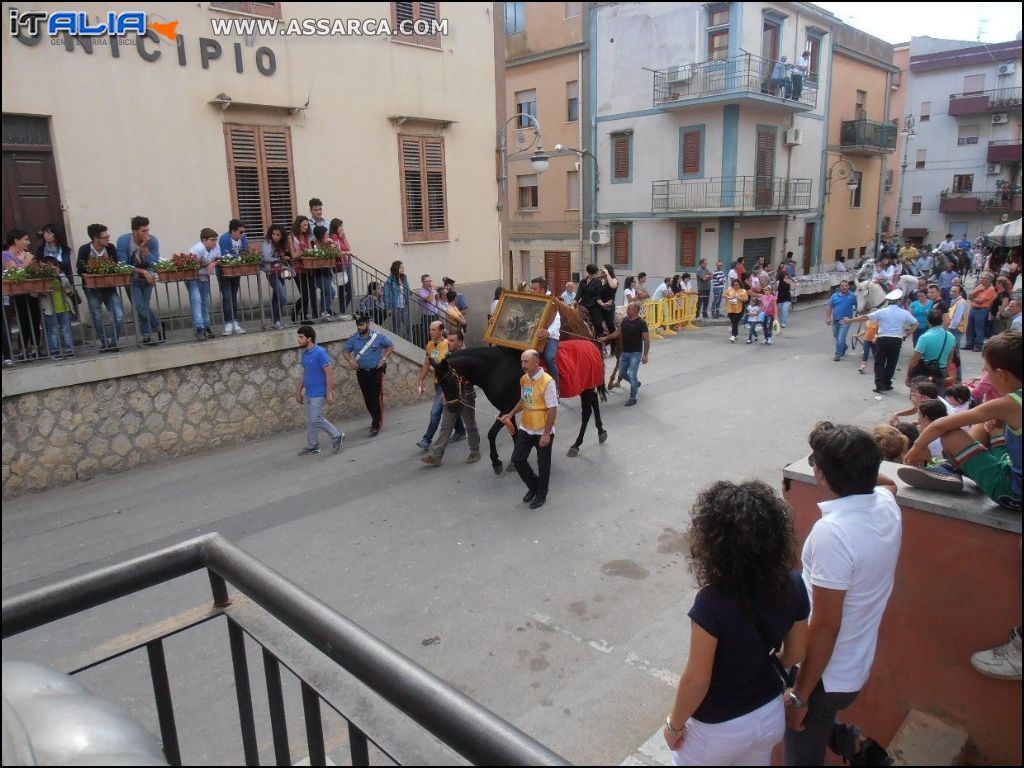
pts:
[519, 319]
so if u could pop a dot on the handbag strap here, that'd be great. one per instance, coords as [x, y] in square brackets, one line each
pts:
[762, 631]
[941, 351]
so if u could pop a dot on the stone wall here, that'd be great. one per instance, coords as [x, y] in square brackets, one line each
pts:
[73, 421]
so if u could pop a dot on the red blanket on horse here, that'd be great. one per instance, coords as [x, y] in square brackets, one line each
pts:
[580, 367]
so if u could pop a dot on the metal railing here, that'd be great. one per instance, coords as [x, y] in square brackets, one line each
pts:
[98, 319]
[989, 201]
[465, 726]
[867, 133]
[734, 193]
[745, 73]
[994, 99]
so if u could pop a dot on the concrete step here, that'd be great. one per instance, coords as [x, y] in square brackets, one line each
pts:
[924, 739]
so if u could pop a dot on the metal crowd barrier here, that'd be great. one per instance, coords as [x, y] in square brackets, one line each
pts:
[666, 316]
[469, 729]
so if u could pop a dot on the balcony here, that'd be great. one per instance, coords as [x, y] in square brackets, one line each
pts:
[996, 100]
[867, 137]
[978, 202]
[731, 195]
[1004, 151]
[741, 79]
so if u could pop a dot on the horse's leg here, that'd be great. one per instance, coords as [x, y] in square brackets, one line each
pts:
[492, 437]
[601, 434]
[587, 400]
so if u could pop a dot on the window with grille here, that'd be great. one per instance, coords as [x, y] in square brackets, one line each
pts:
[424, 191]
[622, 157]
[967, 134]
[410, 13]
[260, 170]
[528, 192]
[572, 101]
[922, 155]
[688, 234]
[926, 111]
[621, 256]
[515, 18]
[963, 182]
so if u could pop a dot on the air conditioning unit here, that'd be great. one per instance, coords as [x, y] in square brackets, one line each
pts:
[1000, 118]
[995, 168]
[599, 237]
[794, 137]
[1008, 68]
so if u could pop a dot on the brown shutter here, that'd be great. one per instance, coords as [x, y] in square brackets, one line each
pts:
[260, 170]
[413, 11]
[620, 245]
[411, 159]
[691, 152]
[556, 270]
[428, 12]
[279, 206]
[687, 246]
[244, 173]
[437, 206]
[621, 144]
[764, 167]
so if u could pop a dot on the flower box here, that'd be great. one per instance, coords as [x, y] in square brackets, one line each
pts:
[305, 262]
[36, 285]
[178, 276]
[106, 281]
[239, 270]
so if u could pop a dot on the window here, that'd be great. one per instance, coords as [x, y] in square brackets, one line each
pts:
[963, 183]
[926, 111]
[838, 254]
[855, 194]
[267, 10]
[525, 265]
[889, 177]
[622, 158]
[410, 13]
[974, 83]
[572, 10]
[691, 152]
[921, 155]
[859, 107]
[689, 235]
[718, 33]
[424, 193]
[528, 194]
[968, 134]
[814, 65]
[260, 170]
[915, 207]
[572, 101]
[621, 256]
[515, 18]
[770, 36]
[526, 104]
[572, 191]
[863, 251]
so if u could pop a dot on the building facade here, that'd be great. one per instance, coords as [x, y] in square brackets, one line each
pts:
[198, 124]
[964, 169]
[708, 146]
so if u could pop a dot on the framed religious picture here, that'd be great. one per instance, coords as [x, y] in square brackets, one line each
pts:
[518, 320]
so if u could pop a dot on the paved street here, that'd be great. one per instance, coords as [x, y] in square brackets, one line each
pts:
[569, 621]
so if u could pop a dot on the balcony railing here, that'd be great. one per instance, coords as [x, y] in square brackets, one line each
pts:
[744, 75]
[867, 135]
[984, 101]
[731, 194]
[1004, 151]
[972, 202]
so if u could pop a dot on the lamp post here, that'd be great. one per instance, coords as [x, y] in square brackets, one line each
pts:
[908, 135]
[559, 148]
[842, 169]
[539, 159]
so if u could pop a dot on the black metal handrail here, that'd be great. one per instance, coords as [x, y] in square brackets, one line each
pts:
[732, 193]
[745, 73]
[867, 133]
[474, 732]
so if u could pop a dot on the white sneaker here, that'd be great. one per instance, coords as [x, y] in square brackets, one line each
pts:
[1001, 662]
[767, 341]
[278, 325]
[732, 339]
[326, 316]
[238, 328]
[228, 329]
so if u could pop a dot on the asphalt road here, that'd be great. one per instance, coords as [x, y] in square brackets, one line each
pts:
[569, 621]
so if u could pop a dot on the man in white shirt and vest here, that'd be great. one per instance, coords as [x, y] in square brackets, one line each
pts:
[538, 403]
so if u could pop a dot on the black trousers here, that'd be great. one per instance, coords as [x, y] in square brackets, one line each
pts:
[525, 443]
[599, 321]
[702, 304]
[371, 383]
[734, 321]
[807, 747]
[887, 355]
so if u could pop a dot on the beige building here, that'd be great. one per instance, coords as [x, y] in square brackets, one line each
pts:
[544, 78]
[861, 137]
[394, 132]
[899, 110]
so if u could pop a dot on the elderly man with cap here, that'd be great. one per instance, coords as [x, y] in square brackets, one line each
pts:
[894, 323]
[367, 353]
[538, 403]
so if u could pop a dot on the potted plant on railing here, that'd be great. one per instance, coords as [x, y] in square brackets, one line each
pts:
[182, 266]
[37, 277]
[320, 257]
[104, 272]
[246, 263]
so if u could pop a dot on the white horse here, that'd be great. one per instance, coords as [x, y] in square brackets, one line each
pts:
[870, 294]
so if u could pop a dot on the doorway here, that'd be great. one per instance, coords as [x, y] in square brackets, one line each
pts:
[31, 194]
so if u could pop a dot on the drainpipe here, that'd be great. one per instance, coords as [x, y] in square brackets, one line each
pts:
[882, 171]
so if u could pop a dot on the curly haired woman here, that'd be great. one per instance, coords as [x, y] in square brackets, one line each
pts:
[728, 708]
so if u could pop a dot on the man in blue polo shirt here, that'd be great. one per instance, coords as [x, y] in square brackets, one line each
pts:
[316, 388]
[841, 305]
[367, 354]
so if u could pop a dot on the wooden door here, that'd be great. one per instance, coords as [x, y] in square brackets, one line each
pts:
[808, 248]
[764, 168]
[556, 270]
[30, 193]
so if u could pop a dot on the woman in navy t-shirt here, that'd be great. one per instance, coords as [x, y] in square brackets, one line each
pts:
[728, 708]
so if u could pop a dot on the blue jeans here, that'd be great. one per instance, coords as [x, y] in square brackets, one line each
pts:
[629, 364]
[324, 283]
[278, 296]
[315, 421]
[784, 309]
[976, 329]
[97, 298]
[140, 294]
[839, 333]
[229, 297]
[716, 301]
[63, 321]
[435, 417]
[199, 298]
[550, 350]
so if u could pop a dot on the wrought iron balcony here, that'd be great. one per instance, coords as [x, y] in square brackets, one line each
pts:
[740, 78]
[727, 195]
[978, 103]
[867, 137]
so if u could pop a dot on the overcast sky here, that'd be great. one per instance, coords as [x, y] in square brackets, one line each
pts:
[898, 22]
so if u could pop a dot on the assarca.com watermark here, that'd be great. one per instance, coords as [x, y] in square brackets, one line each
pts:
[330, 27]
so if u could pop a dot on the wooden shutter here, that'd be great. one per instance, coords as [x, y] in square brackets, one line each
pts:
[621, 156]
[620, 245]
[764, 168]
[556, 270]
[691, 152]
[424, 193]
[260, 170]
[437, 206]
[277, 158]
[411, 156]
[411, 12]
[688, 245]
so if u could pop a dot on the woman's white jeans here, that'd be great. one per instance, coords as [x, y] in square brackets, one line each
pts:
[744, 740]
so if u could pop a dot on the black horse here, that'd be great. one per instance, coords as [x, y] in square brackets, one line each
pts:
[496, 371]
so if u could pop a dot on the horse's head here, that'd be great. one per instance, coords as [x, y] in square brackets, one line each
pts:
[869, 295]
[446, 379]
[866, 271]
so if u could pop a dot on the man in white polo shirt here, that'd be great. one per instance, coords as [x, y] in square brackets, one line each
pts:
[849, 566]
[894, 323]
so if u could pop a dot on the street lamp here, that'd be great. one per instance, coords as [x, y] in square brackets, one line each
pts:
[559, 148]
[539, 159]
[908, 135]
[842, 169]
